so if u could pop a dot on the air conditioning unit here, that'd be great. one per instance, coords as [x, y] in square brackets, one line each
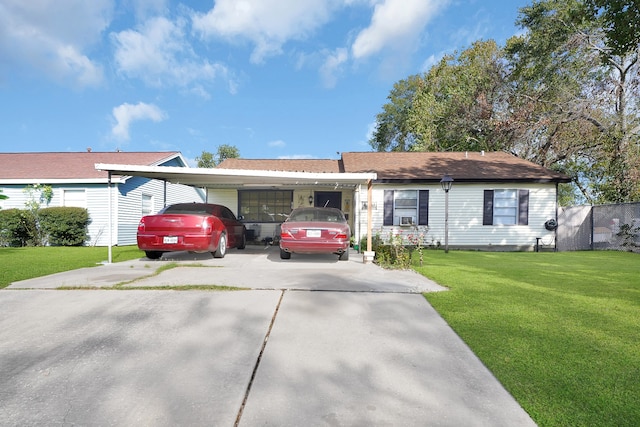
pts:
[406, 221]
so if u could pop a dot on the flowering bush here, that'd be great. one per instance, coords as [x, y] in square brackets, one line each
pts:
[396, 246]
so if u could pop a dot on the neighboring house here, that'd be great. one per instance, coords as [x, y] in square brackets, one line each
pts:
[497, 202]
[76, 182]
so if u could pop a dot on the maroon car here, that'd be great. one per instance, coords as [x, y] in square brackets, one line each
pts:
[315, 230]
[196, 227]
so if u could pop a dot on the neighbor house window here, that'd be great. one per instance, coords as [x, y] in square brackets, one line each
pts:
[265, 205]
[75, 198]
[506, 207]
[147, 204]
[406, 207]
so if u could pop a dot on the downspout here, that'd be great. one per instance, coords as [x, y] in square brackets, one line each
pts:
[369, 213]
[164, 196]
[109, 258]
[369, 254]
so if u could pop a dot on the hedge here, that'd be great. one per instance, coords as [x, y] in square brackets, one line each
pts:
[15, 227]
[57, 226]
[65, 226]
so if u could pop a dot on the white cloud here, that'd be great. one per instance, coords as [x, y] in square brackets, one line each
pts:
[53, 37]
[268, 24]
[395, 24]
[431, 61]
[333, 66]
[160, 54]
[126, 114]
[279, 143]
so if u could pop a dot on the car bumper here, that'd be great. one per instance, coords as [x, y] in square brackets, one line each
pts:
[185, 243]
[313, 248]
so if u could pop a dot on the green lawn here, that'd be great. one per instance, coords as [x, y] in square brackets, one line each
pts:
[25, 263]
[561, 331]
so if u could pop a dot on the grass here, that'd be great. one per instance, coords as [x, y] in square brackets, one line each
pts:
[26, 263]
[561, 331]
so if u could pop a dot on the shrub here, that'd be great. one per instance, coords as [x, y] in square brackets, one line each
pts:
[14, 227]
[65, 226]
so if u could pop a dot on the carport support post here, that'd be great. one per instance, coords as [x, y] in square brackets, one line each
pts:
[369, 254]
[110, 215]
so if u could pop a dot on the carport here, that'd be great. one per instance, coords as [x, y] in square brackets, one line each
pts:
[237, 179]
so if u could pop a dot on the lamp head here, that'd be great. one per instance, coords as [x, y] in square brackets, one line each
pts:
[446, 182]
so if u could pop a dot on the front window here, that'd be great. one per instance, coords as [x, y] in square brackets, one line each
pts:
[265, 205]
[405, 207]
[505, 207]
[75, 198]
[147, 204]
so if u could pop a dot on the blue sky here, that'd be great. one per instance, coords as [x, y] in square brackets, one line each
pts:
[275, 78]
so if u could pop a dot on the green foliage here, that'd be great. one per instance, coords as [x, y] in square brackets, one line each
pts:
[206, 160]
[3, 196]
[562, 94]
[395, 248]
[224, 151]
[15, 226]
[37, 196]
[629, 234]
[559, 330]
[621, 23]
[65, 226]
[454, 106]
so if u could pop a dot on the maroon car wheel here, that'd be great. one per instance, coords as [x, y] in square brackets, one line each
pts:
[222, 247]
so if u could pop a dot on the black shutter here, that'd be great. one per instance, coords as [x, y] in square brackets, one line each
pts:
[388, 207]
[423, 207]
[523, 207]
[487, 216]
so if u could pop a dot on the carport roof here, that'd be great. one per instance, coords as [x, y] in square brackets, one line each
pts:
[205, 177]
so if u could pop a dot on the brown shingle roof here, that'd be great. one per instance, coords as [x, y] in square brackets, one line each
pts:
[424, 166]
[287, 165]
[462, 166]
[75, 165]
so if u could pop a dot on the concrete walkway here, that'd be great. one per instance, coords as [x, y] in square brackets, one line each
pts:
[354, 352]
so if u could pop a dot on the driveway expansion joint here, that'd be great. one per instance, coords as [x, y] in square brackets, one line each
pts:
[257, 365]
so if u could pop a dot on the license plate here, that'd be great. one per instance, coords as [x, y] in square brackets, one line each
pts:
[314, 233]
[170, 240]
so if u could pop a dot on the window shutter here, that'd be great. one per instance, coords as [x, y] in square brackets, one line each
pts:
[523, 207]
[423, 207]
[388, 207]
[487, 216]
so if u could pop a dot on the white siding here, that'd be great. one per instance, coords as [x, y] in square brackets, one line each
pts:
[130, 203]
[126, 205]
[465, 215]
[227, 197]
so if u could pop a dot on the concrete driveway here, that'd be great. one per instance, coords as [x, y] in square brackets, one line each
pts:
[314, 342]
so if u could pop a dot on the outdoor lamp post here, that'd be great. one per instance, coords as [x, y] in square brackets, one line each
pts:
[446, 182]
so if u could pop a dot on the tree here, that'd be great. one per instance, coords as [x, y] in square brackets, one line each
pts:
[37, 196]
[206, 160]
[576, 76]
[457, 105]
[209, 160]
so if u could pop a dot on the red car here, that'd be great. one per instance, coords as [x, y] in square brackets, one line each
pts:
[315, 230]
[195, 227]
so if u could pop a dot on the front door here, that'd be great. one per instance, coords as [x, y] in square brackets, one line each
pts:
[328, 199]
